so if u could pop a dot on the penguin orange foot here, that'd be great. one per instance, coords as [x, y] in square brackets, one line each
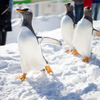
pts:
[75, 52]
[49, 70]
[22, 77]
[86, 59]
[68, 51]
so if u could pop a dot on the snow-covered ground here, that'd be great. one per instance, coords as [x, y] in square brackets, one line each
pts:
[72, 79]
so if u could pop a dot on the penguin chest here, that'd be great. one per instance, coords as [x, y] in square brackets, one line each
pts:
[27, 40]
[83, 37]
[30, 51]
[67, 29]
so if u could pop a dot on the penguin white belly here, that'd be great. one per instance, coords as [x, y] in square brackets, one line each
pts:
[67, 30]
[82, 40]
[30, 51]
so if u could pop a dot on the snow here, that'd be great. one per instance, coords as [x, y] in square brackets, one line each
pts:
[72, 79]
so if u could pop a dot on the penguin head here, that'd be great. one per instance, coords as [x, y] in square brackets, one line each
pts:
[26, 13]
[69, 7]
[88, 11]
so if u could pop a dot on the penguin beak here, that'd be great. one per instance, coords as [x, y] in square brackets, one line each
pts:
[66, 5]
[86, 9]
[20, 10]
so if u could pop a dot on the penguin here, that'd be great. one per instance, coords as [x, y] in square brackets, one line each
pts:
[67, 26]
[83, 35]
[31, 55]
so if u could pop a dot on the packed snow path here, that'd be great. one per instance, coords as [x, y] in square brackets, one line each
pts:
[72, 79]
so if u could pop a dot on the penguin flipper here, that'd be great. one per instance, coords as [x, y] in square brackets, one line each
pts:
[96, 32]
[45, 40]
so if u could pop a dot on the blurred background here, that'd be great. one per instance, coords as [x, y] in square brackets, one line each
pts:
[53, 9]
[40, 7]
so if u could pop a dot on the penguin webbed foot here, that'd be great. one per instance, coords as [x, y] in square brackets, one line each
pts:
[22, 77]
[75, 52]
[86, 59]
[48, 69]
[68, 51]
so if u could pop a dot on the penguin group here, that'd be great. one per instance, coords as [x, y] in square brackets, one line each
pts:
[31, 55]
[75, 36]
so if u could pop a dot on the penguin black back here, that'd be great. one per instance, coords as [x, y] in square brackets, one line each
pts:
[88, 14]
[27, 18]
[70, 11]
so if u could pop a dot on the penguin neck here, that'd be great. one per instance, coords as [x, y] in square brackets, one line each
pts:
[28, 25]
[88, 18]
[70, 14]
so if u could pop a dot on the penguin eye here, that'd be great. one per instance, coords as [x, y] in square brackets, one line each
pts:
[28, 11]
[70, 5]
[90, 8]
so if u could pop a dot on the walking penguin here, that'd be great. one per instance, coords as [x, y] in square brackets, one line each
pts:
[30, 51]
